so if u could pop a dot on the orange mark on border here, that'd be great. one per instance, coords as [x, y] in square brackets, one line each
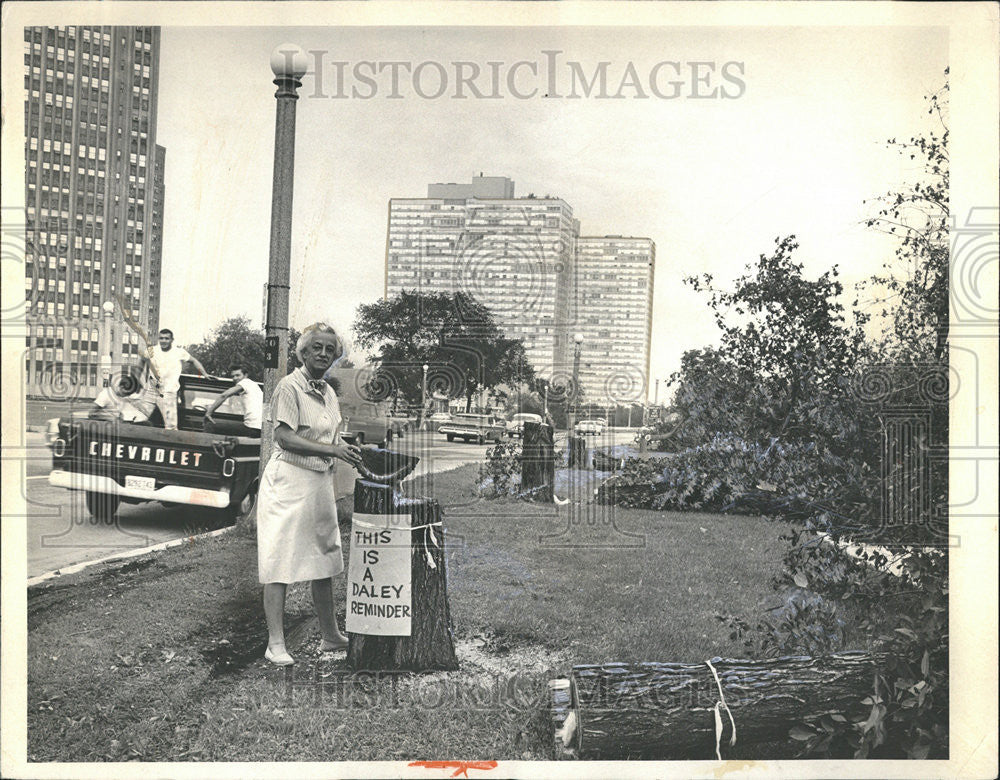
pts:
[461, 767]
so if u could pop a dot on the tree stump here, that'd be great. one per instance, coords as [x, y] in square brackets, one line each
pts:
[619, 711]
[538, 466]
[577, 452]
[429, 645]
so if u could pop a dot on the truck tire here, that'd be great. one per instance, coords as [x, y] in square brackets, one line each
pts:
[359, 438]
[102, 506]
[450, 436]
[236, 511]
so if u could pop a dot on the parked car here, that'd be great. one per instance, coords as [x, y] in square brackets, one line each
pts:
[400, 422]
[474, 427]
[438, 419]
[592, 427]
[365, 423]
[516, 425]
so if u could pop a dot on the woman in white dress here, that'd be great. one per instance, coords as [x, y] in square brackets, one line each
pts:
[298, 538]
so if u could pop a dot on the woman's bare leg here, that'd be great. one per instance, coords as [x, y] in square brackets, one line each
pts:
[274, 613]
[322, 593]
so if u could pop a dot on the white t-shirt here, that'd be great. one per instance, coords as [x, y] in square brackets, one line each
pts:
[168, 365]
[110, 400]
[253, 403]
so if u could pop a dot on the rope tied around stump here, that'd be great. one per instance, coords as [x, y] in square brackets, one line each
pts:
[718, 718]
[427, 528]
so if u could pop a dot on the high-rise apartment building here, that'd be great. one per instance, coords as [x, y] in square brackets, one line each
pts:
[514, 255]
[614, 304]
[525, 260]
[94, 201]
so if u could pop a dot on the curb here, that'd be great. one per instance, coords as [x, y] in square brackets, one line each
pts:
[78, 567]
[153, 548]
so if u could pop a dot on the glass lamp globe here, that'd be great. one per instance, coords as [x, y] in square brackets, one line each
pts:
[289, 60]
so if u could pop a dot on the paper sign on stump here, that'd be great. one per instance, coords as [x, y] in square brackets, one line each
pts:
[379, 575]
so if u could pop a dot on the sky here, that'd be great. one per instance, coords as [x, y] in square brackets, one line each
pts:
[796, 149]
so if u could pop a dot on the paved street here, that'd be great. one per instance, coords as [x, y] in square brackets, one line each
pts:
[61, 532]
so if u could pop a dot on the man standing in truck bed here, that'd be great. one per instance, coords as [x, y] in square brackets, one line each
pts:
[165, 363]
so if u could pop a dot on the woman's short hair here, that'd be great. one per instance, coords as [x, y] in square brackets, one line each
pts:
[312, 330]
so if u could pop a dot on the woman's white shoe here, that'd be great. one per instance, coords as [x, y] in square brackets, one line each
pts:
[279, 658]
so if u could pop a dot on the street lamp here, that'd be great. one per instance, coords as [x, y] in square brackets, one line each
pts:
[106, 356]
[288, 63]
[656, 396]
[571, 412]
[423, 398]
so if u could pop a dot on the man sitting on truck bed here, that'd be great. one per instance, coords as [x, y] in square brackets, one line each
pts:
[253, 406]
[126, 400]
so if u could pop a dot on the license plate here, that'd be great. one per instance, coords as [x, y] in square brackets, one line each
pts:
[140, 483]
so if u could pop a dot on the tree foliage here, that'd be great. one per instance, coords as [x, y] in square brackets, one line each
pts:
[457, 338]
[783, 367]
[236, 341]
[912, 290]
[797, 415]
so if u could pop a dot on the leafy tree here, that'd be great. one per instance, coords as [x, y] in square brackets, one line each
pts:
[775, 423]
[914, 289]
[453, 334]
[784, 365]
[236, 341]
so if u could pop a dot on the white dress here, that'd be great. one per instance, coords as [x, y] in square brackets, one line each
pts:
[298, 537]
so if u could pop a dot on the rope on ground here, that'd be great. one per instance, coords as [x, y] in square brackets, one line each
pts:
[718, 717]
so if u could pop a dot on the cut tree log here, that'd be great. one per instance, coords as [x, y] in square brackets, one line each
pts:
[429, 646]
[619, 711]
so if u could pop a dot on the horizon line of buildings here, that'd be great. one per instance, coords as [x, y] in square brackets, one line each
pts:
[525, 259]
[94, 201]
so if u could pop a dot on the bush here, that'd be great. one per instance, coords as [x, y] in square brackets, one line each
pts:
[727, 471]
[502, 471]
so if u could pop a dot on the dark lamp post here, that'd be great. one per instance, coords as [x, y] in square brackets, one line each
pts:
[577, 344]
[289, 64]
[423, 400]
[107, 360]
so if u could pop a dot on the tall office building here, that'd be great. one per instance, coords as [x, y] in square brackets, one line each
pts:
[525, 260]
[94, 201]
[514, 255]
[614, 307]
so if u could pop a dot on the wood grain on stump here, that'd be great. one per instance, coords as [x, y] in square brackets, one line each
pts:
[430, 645]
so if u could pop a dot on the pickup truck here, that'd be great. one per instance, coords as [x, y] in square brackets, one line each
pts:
[113, 461]
[474, 427]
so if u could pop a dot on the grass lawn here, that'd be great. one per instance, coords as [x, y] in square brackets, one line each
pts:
[160, 658]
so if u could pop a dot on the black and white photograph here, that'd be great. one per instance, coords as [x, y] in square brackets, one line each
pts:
[495, 389]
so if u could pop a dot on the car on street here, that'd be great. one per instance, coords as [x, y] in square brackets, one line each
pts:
[366, 423]
[437, 419]
[480, 428]
[401, 422]
[516, 425]
[591, 427]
